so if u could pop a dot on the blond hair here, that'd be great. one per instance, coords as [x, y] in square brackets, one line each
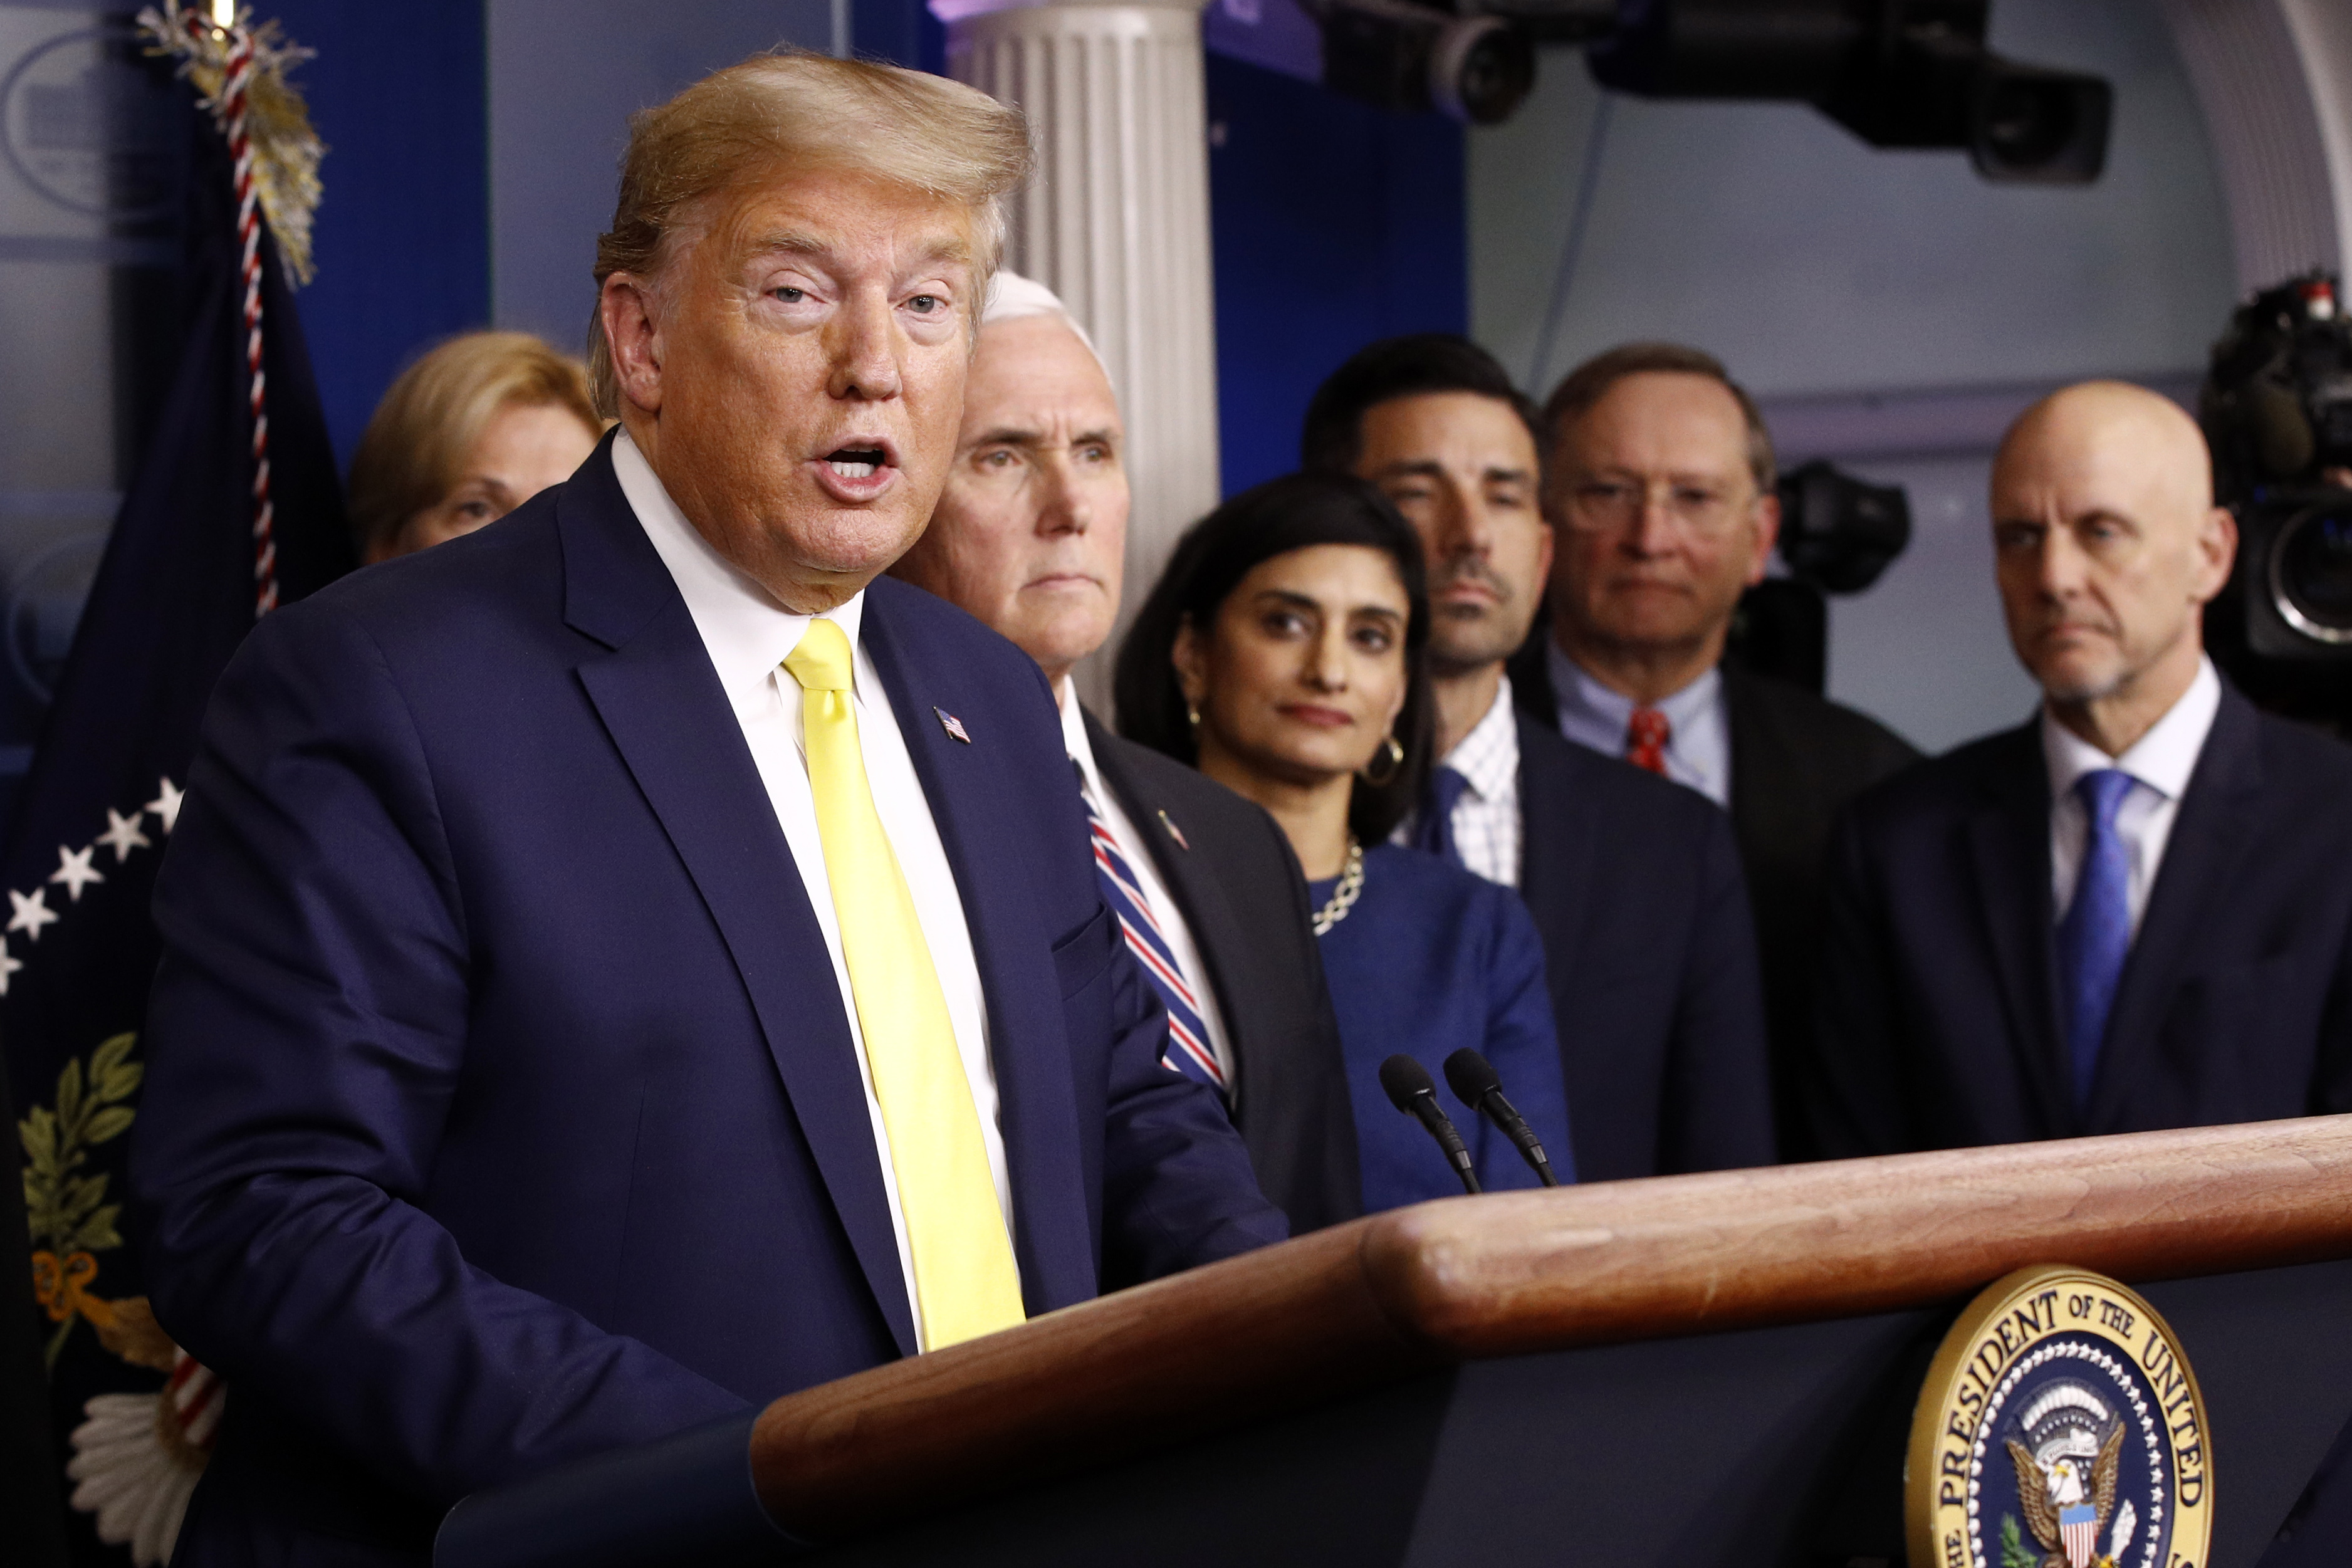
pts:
[417, 441]
[803, 112]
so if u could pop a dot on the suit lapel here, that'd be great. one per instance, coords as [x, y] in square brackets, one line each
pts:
[661, 703]
[1555, 844]
[1751, 759]
[2008, 847]
[1199, 899]
[2208, 836]
[964, 781]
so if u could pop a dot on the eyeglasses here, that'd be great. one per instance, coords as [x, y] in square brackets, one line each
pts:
[1607, 506]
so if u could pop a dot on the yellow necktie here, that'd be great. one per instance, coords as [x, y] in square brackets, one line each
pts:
[965, 1281]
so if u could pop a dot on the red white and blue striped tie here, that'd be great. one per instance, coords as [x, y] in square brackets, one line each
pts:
[1188, 1039]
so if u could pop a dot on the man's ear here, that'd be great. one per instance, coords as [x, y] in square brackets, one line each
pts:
[633, 337]
[2216, 549]
[1768, 533]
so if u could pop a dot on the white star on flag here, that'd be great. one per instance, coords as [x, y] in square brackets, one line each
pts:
[31, 913]
[8, 967]
[122, 835]
[167, 804]
[75, 870]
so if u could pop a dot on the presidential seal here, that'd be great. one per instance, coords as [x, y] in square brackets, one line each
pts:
[2059, 1428]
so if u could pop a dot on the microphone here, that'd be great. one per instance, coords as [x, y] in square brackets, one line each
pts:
[1477, 1085]
[1411, 1090]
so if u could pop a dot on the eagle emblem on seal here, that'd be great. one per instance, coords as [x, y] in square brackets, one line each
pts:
[2066, 1473]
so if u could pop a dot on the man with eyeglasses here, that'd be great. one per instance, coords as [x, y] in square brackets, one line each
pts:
[1659, 485]
[1634, 884]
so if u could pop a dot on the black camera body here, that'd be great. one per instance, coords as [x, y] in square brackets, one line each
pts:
[2294, 582]
[2277, 399]
[1897, 73]
[1837, 534]
[2276, 407]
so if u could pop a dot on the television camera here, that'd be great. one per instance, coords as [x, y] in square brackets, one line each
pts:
[2276, 407]
[1896, 73]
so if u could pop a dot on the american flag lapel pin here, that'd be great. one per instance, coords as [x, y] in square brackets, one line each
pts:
[1173, 831]
[952, 725]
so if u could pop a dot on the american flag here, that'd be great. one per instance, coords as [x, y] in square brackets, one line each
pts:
[2078, 1532]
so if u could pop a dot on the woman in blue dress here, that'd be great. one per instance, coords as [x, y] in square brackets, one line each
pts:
[1282, 653]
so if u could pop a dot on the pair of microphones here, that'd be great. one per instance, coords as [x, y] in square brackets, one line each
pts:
[1475, 1084]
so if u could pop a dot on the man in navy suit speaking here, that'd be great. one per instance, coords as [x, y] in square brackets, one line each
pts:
[636, 962]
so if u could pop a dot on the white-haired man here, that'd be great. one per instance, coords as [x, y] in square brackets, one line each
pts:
[1030, 536]
[630, 964]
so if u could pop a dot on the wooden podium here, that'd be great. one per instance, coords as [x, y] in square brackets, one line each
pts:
[1694, 1370]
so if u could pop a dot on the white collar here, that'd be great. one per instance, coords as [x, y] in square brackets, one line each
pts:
[748, 633]
[1614, 709]
[1073, 731]
[2163, 759]
[1489, 756]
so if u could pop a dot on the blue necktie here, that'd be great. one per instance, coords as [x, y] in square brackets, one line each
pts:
[2095, 935]
[1188, 1051]
[1433, 834]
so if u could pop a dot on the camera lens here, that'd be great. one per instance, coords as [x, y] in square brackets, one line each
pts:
[2311, 574]
[2028, 123]
[1480, 70]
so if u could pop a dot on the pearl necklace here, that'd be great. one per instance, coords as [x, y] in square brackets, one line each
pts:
[1343, 897]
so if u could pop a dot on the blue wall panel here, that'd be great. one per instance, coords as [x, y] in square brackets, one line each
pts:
[1335, 224]
[403, 241]
[903, 32]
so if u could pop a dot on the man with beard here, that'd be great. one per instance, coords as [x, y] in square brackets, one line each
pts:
[1634, 883]
[2133, 912]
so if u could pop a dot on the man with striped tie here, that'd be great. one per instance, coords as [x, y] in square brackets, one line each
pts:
[2135, 911]
[1030, 536]
[636, 962]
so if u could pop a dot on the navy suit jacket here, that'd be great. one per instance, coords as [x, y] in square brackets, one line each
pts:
[501, 1105]
[1650, 952]
[1939, 1024]
[1233, 873]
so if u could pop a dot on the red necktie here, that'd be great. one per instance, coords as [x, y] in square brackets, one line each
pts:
[1647, 733]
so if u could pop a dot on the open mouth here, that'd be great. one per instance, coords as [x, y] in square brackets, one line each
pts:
[857, 462]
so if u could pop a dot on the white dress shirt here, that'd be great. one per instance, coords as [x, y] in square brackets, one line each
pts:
[1698, 731]
[2159, 763]
[1164, 907]
[747, 636]
[1486, 826]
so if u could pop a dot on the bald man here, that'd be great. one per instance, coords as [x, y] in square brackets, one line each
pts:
[2136, 910]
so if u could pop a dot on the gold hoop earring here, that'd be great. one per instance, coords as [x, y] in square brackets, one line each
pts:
[1396, 761]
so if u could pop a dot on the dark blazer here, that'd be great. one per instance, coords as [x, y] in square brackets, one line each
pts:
[1650, 954]
[1433, 957]
[501, 1105]
[1238, 885]
[1796, 760]
[1939, 998]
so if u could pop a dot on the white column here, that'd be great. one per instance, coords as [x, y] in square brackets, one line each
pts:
[2274, 80]
[1116, 221]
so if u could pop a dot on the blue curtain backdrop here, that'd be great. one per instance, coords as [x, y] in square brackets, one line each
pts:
[399, 94]
[1335, 224]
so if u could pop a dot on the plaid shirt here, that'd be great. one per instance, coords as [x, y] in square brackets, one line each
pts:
[1486, 818]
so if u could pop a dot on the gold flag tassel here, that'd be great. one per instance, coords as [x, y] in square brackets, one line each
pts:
[285, 150]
